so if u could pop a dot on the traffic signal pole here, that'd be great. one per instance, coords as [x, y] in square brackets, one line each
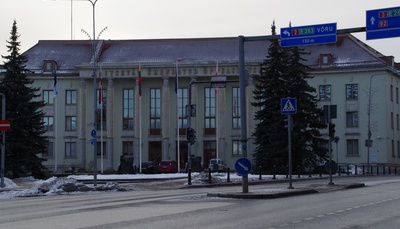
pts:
[3, 143]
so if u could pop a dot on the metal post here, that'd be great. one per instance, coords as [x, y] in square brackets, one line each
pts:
[94, 93]
[290, 123]
[189, 126]
[242, 83]
[3, 144]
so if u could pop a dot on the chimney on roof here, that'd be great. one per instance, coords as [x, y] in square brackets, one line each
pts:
[389, 60]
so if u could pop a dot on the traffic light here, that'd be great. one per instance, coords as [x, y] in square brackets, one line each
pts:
[332, 131]
[191, 135]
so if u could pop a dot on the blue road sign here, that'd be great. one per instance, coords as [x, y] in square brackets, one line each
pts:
[93, 133]
[93, 141]
[308, 35]
[383, 23]
[243, 166]
[288, 106]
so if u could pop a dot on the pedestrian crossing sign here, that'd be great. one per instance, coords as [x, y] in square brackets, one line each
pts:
[288, 106]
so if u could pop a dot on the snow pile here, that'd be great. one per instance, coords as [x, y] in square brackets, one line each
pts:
[9, 183]
[59, 186]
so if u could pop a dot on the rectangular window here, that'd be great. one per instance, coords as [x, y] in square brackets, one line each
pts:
[70, 123]
[70, 149]
[393, 150]
[236, 148]
[155, 111]
[391, 120]
[352, 119]
[397, 122]
[325, 92]
[99, 149]
[351, 91]
[127, 148]
[48, 123]
[391, 93]
[70, 97]
[235, 108]
[101, 109]
[209, 107]
[48, 97]
[397, 95]
[48, 151]
[398, 149]
[128, 109]
[183, 101]
[352, 147]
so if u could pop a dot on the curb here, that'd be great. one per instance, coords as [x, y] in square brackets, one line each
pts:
[285, 193]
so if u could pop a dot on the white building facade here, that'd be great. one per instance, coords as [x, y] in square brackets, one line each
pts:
[146, 127]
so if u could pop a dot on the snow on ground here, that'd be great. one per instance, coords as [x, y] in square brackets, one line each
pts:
[73, 184]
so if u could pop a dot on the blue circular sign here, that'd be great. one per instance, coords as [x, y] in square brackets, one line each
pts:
[93, 133]
[243, 166]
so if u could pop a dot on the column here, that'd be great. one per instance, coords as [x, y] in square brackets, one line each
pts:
[82, 123]
[165, 119]
[221, 128]
[109, 121]
[137, 124]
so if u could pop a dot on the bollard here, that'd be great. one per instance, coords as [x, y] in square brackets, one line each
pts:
[339, 170]
[384, 169]
[363, 169]
[309, 171]
[372, 170]
[260, 178]
[355, 169]
[209, 176]
[395, 170]
[348, 170]
[274, 175]
[189, 176]
[228, 179]
[287, 172]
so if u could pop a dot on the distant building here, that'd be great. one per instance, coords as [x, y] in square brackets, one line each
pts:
[146, 127]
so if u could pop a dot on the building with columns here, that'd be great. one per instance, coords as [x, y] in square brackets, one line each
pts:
[147, 127]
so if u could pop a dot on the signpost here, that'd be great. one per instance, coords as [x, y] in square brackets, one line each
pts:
[243, 166]
[308, 35]
[383, 23]
[289, 107]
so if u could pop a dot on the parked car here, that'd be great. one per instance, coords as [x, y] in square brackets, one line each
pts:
[217, 162]
[168, 166]
[149, 167]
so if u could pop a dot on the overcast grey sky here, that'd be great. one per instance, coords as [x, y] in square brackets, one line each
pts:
[151, 19]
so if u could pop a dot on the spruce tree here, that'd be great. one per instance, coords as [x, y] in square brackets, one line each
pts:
[270, 141]
[24, 110]
[308, 147]
[284, 75]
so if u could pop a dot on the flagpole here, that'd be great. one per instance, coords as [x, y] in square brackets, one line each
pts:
[177, 123]
[216, 114]
[101, 117]
[140, 119]
[55, 93]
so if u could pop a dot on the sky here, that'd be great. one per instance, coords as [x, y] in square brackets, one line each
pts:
[157, 19]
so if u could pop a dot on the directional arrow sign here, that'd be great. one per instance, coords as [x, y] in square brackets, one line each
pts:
[243, 166]
[383, 23]
[308, 35]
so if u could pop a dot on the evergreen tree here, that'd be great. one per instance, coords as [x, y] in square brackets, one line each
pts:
[284, 75]
[271, 145]
[24, 110]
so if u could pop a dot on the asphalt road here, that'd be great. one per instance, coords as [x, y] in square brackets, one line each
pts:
[374, 206]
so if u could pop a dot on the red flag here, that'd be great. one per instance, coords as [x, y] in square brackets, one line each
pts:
[140, 82]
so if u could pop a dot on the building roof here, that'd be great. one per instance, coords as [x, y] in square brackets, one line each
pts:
[69, 54]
